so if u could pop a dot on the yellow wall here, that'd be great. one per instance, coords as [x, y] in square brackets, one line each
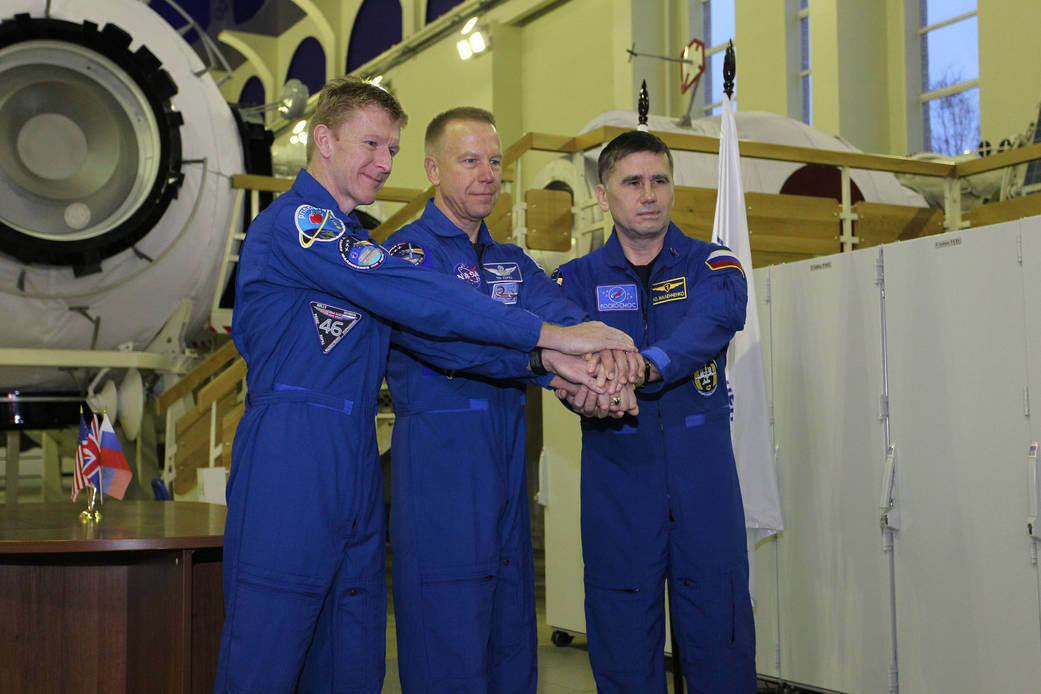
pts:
[555, 65]
[762, 50]
[1010, 66]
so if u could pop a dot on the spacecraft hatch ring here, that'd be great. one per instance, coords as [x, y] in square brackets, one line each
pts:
[90, 145]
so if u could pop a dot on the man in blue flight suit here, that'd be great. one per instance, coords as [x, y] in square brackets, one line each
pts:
[304, 591]
[463, 582]
[659, 491]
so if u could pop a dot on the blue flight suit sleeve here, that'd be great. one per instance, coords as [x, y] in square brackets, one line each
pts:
[541, 296]
[362, 272]
[706, 329]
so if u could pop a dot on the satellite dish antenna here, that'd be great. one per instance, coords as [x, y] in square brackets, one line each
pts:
[290, 105]
[132, 403]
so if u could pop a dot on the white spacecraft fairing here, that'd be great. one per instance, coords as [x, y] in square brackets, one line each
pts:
[115, 198]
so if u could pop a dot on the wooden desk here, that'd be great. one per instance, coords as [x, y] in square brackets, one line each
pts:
[133, 604]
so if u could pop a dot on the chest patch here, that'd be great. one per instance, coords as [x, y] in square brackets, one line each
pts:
[468, 273]
[332, 323]
[408, 251]
[706, 379]
[502, 272]
[616, 297]
[316, 224]
[669, 290]
[361, 254]
[505, 292]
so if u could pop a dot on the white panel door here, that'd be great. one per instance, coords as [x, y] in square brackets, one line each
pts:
[1030, 232]
[826, 362]
[763, 566]
[965, 592]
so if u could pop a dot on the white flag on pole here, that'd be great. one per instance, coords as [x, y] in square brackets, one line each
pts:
[750, 426]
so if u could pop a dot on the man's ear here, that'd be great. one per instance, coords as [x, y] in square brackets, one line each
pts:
[323, 137]
[601, 197]
[433, 170]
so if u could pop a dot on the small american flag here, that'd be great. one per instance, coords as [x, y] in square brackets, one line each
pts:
[79, 480]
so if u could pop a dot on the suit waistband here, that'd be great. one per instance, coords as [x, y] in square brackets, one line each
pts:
[443, 406]
[285, 393]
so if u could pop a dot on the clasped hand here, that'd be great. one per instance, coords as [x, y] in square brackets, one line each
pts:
[597, 384]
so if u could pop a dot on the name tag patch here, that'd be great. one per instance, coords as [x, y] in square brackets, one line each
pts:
[317, 224]
[408, 251]
[505, 292]
[332, 323]
[361, 254]
[504, 271]
[669, 290]
[468, 273]
[616, 297]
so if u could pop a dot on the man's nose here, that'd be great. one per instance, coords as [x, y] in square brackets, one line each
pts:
[486, 172]
[384, 159]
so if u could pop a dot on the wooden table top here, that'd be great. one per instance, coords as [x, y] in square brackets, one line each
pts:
[31, 528]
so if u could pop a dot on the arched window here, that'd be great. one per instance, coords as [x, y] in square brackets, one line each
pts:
[243, 10]
[308, 65]
[199, 10]
[436, 8]
[377, 27]
[252, 93]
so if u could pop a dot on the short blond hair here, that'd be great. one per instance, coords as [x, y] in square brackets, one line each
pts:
[341, 97]
[439, 124]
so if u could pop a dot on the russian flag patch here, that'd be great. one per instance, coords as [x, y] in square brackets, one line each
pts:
[722, 259]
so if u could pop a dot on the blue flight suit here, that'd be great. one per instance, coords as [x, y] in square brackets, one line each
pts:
[464, 600]
[304, 585]
[659, 491]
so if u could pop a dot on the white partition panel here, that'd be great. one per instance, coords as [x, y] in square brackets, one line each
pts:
[764, 558]
[826, 364]
[966, 591]
[1030, 232]
[559, 477]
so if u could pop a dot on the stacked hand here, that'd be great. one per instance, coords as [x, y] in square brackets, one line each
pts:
[596, 368]
[600, 384]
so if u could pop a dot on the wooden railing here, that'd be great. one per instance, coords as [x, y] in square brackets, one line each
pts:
[200, 432]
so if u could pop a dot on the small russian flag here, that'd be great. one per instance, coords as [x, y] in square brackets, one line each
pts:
[721, 259]
[115, 473]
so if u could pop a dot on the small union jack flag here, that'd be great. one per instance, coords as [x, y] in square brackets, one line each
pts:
[91, 452]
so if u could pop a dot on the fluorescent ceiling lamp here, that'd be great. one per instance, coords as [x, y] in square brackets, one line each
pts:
[464, 49]
[469, 25]
[294, 139]
[300, 125]
[303, 138]
[477, 42]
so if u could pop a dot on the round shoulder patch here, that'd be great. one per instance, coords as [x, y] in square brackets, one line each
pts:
[468, 273]
[409, 251]
[361, 254]
[317, 224]
[706, 379]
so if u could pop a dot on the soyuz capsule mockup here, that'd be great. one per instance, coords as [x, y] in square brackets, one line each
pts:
[115, 162]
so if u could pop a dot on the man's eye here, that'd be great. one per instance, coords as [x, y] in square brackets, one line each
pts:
[496, 162]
